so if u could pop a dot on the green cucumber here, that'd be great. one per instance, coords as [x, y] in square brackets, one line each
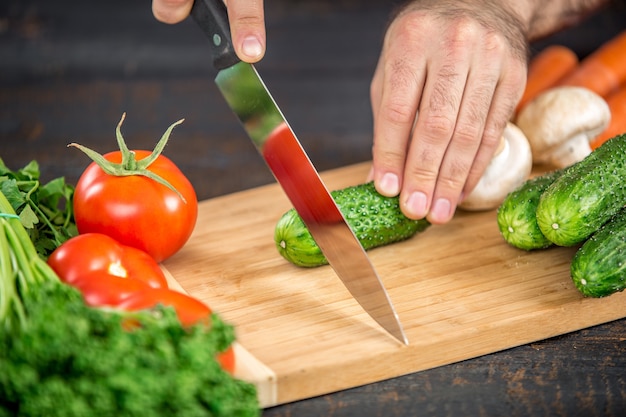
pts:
[599, 266]
[376, 220]
[586, 196]
[516, 214]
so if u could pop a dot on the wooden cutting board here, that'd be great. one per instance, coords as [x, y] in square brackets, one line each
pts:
[460, 292]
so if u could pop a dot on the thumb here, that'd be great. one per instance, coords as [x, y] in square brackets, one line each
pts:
[247, 26]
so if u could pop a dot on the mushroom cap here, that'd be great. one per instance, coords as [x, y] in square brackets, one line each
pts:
[559, 115]
[508, 170]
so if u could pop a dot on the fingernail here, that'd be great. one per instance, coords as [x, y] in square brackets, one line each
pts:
[440, 212]
[389, 184]
[251, 47]
[416, 204]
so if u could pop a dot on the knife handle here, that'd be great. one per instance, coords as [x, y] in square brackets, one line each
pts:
[212, 17]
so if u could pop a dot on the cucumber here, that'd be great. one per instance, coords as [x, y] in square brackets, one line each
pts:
[516, 214]
[586, 196]
[376, 220]
[599, 266]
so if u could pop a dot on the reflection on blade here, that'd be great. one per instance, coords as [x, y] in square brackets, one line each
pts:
[249, 99]
[247, 96]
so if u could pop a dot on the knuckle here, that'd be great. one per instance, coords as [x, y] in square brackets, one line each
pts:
[398, 111]
[390, 158]
[246, 14]
[494, 129]
[425, 170]
[421, 175]
[461, 30]
[410, 25]
[491, 139]
[453, 178]
[388, 152]
[400, 105]
[494, 42]
[249, 20]
[437, 126]
[467, 135]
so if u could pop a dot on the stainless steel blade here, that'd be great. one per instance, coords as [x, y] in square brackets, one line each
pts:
[250, 100]
[247, 95]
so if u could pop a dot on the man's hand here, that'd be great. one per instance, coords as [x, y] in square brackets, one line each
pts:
[448, 79]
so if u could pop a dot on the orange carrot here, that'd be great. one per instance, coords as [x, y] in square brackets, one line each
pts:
[604, 70]
[545, 69]
[617, 126]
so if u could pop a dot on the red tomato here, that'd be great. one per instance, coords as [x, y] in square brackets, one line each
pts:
[136, 210]
[83, 255]
[227, 360]
[101, 289]
[188, 309]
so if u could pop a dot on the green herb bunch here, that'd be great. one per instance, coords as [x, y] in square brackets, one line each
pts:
[45, 210]
[60, 357]
[75, 361]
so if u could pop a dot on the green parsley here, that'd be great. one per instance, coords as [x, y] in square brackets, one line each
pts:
[45, 210]
[62, 358]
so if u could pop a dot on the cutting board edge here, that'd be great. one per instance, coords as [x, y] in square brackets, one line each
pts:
[247, 367]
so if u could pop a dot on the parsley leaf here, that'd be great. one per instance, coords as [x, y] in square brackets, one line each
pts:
[45, 210]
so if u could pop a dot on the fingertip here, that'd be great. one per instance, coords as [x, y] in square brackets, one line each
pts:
[441, 211]
[389, 184]
[171, 12]
[415, 206]
[251, 49]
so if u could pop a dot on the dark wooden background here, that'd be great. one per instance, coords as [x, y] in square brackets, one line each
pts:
[70, 68]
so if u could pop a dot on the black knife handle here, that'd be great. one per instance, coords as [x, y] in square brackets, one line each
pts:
[212, 17]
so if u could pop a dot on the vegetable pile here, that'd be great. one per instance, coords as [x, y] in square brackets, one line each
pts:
[581, 205]
[574, 116]
[572, 106]
[95, 330]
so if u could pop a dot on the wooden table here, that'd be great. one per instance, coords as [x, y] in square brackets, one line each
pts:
[68, 69]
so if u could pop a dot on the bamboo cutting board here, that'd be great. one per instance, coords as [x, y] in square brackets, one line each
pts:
[460, 292]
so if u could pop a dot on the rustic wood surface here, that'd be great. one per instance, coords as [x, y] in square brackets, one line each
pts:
[68, 69]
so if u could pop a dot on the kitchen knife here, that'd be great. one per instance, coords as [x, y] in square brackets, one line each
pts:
[248, 97]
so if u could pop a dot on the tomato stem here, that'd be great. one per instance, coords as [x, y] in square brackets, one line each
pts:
[121, 143]
[129, 165]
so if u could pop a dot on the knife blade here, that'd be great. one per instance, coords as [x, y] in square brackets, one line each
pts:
[248, 97]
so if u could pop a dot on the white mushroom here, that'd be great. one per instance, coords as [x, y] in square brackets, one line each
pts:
[508, 169]
[560, 123]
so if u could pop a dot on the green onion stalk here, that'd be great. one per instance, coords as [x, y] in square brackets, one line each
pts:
[20, 267]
